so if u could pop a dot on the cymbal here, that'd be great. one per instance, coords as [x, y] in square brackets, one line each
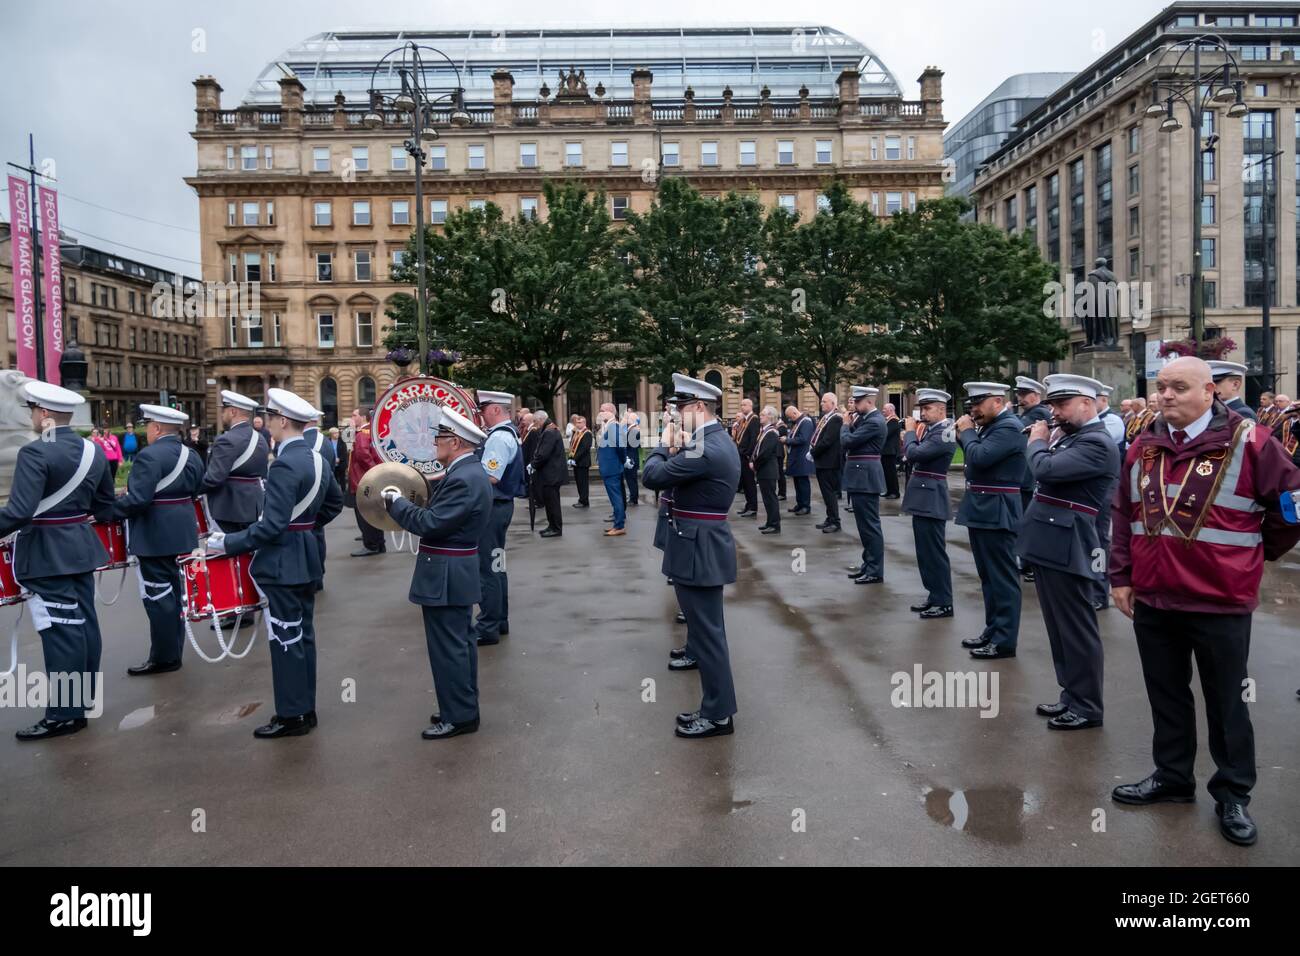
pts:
[390, 474]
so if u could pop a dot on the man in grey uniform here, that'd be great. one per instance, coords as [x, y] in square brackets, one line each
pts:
[700, 553]
[504, 466]
[320, 443]
[926, 498]
[864, 481]
[159, 510]
[1029, 397]
[1229, 381]
[445, 582]
[1058, 538]
[236, 468]
[1114, 426]
[60, 480]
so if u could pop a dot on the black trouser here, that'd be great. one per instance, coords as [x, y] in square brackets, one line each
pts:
[453, 658]
[550, 497]
[780, 475]
[706, 640]
[492, 607]
[631, 487]
[1066, 600]
[890, 464]
[828, 482]
[582, 481]
[160, 592]
[293, 646]
[70, 640]
[802, 492]
[372, 538]
[930, 536]
[771, 506]
[748, 485]
[1167, 642]
[994, 552]
[866, 514]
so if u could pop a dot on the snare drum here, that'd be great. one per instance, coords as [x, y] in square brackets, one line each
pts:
[11, 592]
[112, 535]
[201, 515]
[219, 584]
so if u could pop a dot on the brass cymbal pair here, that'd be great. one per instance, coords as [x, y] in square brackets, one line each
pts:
[404, 479]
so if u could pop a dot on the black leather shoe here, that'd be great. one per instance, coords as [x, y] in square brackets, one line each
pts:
[973, 642]
[701, 727]
[822, 526]
[151, 667]
[937, 610]
[918, 608]
[680, 618]
[993, 652]
[1150, 791]
[854, 570]
[770, 529]
[792, 511]
[1100, 605]
[581, 504]
[284, 727]
[366, 552]
[687, 718]
[1027, 576]
[442, 729]
[747, 514]
[802, 511]
[1071, 721]
[683, 663]
[505, 630]
[830, 529]
[1050, 710]
[487, 641]
[550, 533]
[46, 729]
[311, 718]
[869, 579]
[677, 652]
[1235, 824]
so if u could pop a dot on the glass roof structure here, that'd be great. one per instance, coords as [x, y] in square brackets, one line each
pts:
[782, 57]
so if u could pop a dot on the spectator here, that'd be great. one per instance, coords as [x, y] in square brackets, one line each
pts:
[130, 444]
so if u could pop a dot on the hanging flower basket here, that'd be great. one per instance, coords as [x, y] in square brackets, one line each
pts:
[1215, 348]
[443, 359]
[401, 357]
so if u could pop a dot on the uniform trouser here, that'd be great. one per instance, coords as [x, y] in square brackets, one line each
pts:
[372, 538]
[890, 465]
[453, 658]
[630, 480]
[771, 507]
[293, 647]
[780, 475]
[550, 498]
[1167, 641]
[707, 642]
[995, 562]
[492, 569]
[319, 535]
[70, 640]
[749, 486]
[930, 535]
[828, 483]
[160, 591]
[614, 488]
[582, 481]
[802, 492]
[1066, 600]
[866, 512]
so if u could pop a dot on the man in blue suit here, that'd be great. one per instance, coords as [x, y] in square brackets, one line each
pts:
[446, 581]
[994, 447]
[864, 481]
[611, 460]
[798, 464]
[301, 495]
[60, 480]
[159, 510]
[926, 498]
[699, 551]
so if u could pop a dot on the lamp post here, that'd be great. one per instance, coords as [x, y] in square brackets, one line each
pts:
[1221, 84]
[413, 99]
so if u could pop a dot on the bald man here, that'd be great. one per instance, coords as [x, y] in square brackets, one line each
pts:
[825, 456]
[799, 466]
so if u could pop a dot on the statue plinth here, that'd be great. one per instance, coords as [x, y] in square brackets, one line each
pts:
[1113, 367]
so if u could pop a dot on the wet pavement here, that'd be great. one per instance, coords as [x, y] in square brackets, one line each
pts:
[573, 766]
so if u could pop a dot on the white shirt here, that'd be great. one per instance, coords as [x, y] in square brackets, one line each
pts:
[1114, 427]
[499, 451]
[1196, 427]
[290, 441]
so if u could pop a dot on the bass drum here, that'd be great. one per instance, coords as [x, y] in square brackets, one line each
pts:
[402, 425]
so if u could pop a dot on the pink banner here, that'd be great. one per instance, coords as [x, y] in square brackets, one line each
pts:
[23, 257]
[51, 283]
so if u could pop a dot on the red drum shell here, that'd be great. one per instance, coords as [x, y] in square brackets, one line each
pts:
[201, 514]
[112, 535]
[220, 583]
[10, 591]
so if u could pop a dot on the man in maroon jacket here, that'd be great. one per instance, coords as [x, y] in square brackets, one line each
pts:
[1195, 516]
[364, 457]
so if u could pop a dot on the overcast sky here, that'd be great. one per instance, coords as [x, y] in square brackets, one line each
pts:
[105, 85]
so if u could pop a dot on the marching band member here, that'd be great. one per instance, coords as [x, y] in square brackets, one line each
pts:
[700, 553]
[236, 468]
[60, 479]
[504, 466]
[926, 498]
[446, 581]
[1229, 383]
[159, 509]
[864, 481]
[301, 495]
[663, 521]
[319, 442]
[1058, 539]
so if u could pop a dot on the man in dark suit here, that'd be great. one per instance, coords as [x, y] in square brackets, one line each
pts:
[926, 498]
[530, 431]
[580, 445]
[59, 480]
[632, 458]
[301, 495]
[548, 469]
[700, 553]
[236, 466]
[799, 466]
[889, 452]
[340, 457]
[864, 482]
[363, 458]
[1229, 382]
[825, 454]
[161, 526]
[994, 448]
[746, 432]
[764, 463]
[1029, 397]
[1058, 538]
[446, 581]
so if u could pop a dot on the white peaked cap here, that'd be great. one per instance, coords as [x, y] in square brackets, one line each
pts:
[1220, 369]
[52, 397]
[926, 395]
[1068, 386]
[984, 389]
[687, 389]
[1026, 384]
[235, 400]
[494, 398]
[281, 401]
[864, 391]
[460, 426]
[161, 413]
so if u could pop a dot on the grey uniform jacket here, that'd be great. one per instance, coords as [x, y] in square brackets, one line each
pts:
[43, 468]
[287, 558]
[698, 551]
[926, 495]
[460, 505]
[160, 518]
[235, 492]
[1242, 409]
[995, 466]
[320, 443]
[1075, 476]
[862, 443]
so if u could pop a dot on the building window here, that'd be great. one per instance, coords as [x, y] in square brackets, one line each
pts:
[320, 159]
[1134, 180]
[479, 204]
[1210, 293]
[748, 152]
[1054, 218]
[1133, 264]
[252, 267]
[361, 212]
[361, 158]
[398, 261]
[785, 152]
[670, 154]
[1259, 205]
[232, 331]
[232, 261]
[324, 267]
[893, 203]
[823, 202]
[619, 207]
[268, 157]
[476, 157]
[230, 157]
[329, 402]
[1207, 210]
[270, 213]
[270, 267]
[231, 213]
[893, 147]
[365, 330]
[823, 151]
[1207, 254]
[618, 153]
[1261, 89]
[528, 155]
[366, 390]
[875, 147]
[709, 152]
[325, 330]
[1134, 222]
[1010, 216]
[911, 147]
[786, 202]
[398, 158]
[1134, 140]
[250, 214]
[1077, 203]
[401, 212]
[572, 154]
[361, 265]
[320, 214]
[1105, 210]
[1031, 214]
[437, 157]
[875, 203]
[437, 211]
[254, 326]
[248, 158]
[528, 207]
[275, 328]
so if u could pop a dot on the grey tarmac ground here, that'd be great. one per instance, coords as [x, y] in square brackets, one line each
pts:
[583, 771]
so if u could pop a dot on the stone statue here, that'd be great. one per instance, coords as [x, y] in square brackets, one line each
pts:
[15, 426]
[1097, 303]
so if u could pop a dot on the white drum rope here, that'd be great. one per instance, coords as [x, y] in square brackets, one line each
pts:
[216, 626]
[13, 641]
[121, 582]
[252, 638]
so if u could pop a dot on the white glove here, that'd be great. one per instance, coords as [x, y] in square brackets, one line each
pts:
[629, 464]
[808, 455]
[530, 469]
[216, 543]
[572, 463]
[390, 495]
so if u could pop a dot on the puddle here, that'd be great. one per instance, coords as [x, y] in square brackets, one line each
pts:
[138, 717]
[237, 713]
[996, 814]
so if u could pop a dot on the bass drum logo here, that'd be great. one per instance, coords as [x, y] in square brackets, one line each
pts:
[402, 426]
